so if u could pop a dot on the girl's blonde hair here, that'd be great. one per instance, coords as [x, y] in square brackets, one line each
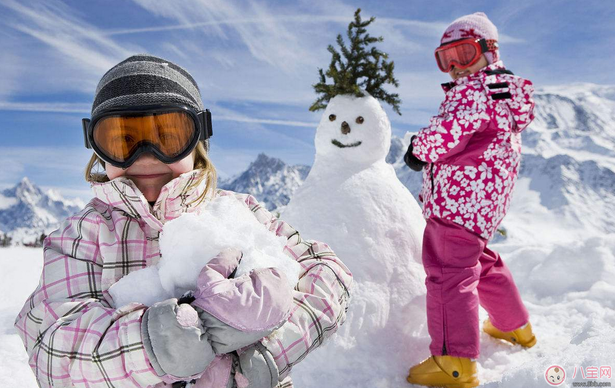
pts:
[201, 161]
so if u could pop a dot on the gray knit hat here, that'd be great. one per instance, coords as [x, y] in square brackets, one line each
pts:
[145, 80]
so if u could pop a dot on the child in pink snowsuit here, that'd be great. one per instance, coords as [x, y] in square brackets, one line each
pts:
[470, 155]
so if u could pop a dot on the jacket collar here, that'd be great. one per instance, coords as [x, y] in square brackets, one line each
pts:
[499, 65]
[176, 197]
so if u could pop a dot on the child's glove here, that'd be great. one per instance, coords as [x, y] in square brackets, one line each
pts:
[250, 367]
[175, 340]
[255, 368]
[258, 366]
[412, 161]
[237, 312]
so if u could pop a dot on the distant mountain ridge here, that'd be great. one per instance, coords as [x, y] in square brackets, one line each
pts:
[268, 179]
[26, 211]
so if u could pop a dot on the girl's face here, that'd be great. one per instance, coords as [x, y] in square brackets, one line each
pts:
[150, 174]
[456, 73]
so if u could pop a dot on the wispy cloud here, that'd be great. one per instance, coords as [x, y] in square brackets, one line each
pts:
[11, 66]
[53, 23]
[286, 123]
[56, 107]
[395, 30]
[84, 108]
[57, 51]
[231, 22]
[267, 40]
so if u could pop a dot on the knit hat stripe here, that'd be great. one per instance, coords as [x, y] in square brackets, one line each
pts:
[143, 99]
[153, 59]
[149, 68]
[142, 84]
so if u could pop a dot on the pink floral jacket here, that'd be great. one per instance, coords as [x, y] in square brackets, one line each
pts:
[75, 338]
[473, 148]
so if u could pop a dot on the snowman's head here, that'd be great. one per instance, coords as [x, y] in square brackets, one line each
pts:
[354, 129]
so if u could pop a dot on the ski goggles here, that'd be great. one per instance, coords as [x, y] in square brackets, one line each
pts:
[463, 53]
[120, 136]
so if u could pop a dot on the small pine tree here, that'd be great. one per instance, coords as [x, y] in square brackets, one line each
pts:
[361, 68]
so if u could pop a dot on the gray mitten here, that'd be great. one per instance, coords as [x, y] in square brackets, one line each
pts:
[175, 340]
[225, 338]
[256, 364]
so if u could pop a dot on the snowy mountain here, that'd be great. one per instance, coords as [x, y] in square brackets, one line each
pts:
[569, 154]
[26, 211]
[268, 179]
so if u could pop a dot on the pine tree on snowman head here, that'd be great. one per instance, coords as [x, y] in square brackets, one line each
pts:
[364, 70]
[354, 127]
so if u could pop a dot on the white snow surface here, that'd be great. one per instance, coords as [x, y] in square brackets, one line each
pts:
[188, 242]
[567, 286]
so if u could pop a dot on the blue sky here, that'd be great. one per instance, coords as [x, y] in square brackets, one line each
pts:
[255, 63]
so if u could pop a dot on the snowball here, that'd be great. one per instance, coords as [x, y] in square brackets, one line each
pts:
[142, 286]
[188, 242]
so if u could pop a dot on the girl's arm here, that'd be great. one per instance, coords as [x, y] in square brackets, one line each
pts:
[320, 297]
[463, 112]
[71, 333]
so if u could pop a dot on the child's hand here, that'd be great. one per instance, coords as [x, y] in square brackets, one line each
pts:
[256, 365]
[412, 161]
[175, 340]
[237, 312]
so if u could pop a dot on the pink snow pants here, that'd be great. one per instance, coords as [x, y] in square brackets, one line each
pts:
[461, 273]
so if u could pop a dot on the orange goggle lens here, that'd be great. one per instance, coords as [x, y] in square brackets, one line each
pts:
[119, 136]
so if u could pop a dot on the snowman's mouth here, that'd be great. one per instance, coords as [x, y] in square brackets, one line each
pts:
[338, 144]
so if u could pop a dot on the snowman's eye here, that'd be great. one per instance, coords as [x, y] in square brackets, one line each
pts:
[332, 117]
[359, 120]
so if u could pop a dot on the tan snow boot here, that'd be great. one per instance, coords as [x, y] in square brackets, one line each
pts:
[522, 336]
[445, 371]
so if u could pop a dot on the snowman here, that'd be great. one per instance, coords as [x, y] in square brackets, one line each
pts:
[353, 200]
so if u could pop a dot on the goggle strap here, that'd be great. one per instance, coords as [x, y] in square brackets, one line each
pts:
[489, 45]
[86, 124]
[206, 128]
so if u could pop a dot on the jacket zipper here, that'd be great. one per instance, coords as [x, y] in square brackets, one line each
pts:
[432, 180]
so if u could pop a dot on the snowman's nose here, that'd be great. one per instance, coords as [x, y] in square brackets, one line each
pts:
[345, 128]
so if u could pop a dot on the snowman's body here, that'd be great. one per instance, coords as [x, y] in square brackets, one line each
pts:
[353, 201]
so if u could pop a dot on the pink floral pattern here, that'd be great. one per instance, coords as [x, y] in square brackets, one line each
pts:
[473, 149]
